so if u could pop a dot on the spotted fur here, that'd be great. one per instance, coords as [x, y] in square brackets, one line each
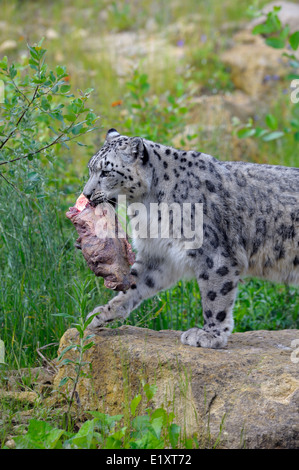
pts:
[250, 226]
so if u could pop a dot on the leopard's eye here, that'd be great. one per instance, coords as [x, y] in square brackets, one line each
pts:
[104, 173]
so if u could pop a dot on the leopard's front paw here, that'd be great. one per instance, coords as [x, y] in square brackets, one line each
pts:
[99, 317]
[205, 339]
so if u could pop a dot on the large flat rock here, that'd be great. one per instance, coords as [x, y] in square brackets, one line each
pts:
[250, 389]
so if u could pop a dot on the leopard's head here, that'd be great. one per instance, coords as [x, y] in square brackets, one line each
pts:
[119, 167]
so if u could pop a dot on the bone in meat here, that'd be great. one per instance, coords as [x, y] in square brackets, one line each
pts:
[103, 242]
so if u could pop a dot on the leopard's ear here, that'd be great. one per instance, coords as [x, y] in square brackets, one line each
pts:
[112, 134]
[138, 149]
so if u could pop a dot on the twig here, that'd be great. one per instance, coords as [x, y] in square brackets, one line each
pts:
[11, 184]
[45, 147]
[50, 363]
[20, 118]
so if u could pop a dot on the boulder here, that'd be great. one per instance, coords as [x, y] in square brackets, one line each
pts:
[8, 45]
[210, 123]
[255, 67]
[245, 395]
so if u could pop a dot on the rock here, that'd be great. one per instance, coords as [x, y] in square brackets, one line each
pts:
[10, 443]
[254, 65]
[8, 45]
[288, 14]
[38, 379]
[251, 386]
[126, 48]
[27, 397]
[210, 122]
[51, 34]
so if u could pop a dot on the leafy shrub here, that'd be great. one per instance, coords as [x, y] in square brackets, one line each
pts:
[277, 37]
[154, 430]
[154, 118]
[38, 119]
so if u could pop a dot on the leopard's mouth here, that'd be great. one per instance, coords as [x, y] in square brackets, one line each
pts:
[97, 198]
[100, 198]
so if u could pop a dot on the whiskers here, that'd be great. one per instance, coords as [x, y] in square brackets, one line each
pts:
[102, 198]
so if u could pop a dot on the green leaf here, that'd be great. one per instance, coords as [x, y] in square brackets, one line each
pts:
[259, 131]
[105, 422]
[276, 43]
[65, 88]
[90, 118]
[261, 29]
[33, 52]
[88, 346]
[134, 403]
[60, 71]
[157, 424]
[245, 132]
[271, 121]
[77, 128]
[70, 117]
[292, 76]
[294, 40]
[12, 71]
[68, 348]
[273, 136]
[63, 381]
[89, 337]
[3, 63]
[148, 441]
[88, 91]
[84, 439]
[174, 434]
[89, 320]
[80, 144]
[296, 136]
[65, 362]
[40, 435]
[150, 391]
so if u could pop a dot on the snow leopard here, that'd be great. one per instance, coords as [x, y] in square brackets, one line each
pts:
[250, 226]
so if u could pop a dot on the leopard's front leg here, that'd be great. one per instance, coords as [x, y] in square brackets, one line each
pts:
[151, 274]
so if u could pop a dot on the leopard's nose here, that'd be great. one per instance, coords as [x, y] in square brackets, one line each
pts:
[87, 194]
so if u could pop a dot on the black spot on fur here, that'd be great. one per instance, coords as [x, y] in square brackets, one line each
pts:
[157, 154]
[227, 287]
[210, 186]
[208, 313]
[149, 282]
[221, 315]
[211, 295]
[204, 276]
[296, 261]
[222, 271]
[192, 253]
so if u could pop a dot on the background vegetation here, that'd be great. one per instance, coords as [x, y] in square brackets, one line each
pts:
[147, 96]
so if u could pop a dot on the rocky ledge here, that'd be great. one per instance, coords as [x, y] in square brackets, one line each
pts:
[246, 395]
